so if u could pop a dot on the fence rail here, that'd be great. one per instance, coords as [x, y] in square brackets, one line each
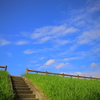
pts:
[5, 67]
[27, 70]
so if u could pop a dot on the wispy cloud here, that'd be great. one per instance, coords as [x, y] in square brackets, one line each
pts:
[77, 73]
[42, 58]
[96, 49]
[43, 34]
[4, 42]
[70, 30]
[72, 58]
[29, 51]
[63, 42]
[22, 42]
[88, 73]
[61, 65]
[89, 37]
[42, 40]
[49, 62]
[35, 35]
[94, 65]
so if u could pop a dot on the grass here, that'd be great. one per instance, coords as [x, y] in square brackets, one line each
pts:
[5, 90]
[62, 88]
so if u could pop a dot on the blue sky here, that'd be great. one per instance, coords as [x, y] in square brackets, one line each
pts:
[61, 36]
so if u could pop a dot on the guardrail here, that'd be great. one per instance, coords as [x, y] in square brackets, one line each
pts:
[5, 67]
[27, 70]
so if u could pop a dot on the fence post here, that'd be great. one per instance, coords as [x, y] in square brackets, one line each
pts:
[46, 72]
[84, 78]
[90, 78]
[6, 68]
[78, 76]
[71, 76]
[26, 70]
[63, 74]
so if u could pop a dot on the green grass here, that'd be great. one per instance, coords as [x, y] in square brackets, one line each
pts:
[5, 89]
[62, 88]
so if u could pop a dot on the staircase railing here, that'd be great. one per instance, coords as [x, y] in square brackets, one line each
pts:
[63, 74]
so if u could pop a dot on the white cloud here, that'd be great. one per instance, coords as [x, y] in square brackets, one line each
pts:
[21, 42]
[4, 42]
[63, 73]
[77, 73]
[80, 23]
[41, 67]
[63, 42]
[42, 40]
[73, 47]
[94, 65]
[49, 62]
[42, 58]
[56, 29]
[88, 74]
[61, 65]
[45, 39]
[89, 36]
[29, 51]
[70, 30]
[46, 33]
[72, 58]
[93, 74]
[36, 35]
[96, 49]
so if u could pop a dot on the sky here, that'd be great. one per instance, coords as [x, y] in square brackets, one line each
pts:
[59, 36]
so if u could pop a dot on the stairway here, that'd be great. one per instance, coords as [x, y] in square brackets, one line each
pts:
[21, 89]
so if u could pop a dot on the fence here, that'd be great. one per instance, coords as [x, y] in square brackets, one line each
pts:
[27, 70]
[5, 67]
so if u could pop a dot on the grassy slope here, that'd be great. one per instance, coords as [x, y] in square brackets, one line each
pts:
[61, 88]
[5, 90]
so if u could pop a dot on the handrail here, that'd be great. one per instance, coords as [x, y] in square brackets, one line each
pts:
[5, 67]
[85, 77]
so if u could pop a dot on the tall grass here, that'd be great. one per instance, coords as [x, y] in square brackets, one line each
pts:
[62, 88]
[5, 89]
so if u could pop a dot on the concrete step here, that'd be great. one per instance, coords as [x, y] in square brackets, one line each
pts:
[26, 95]
[18, 80]
[21, 88]
[24, 86]
[27, 99]
[23, 91]
[19, 83]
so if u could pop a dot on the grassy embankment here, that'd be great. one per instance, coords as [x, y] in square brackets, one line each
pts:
[5, 89]
[62, 88]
